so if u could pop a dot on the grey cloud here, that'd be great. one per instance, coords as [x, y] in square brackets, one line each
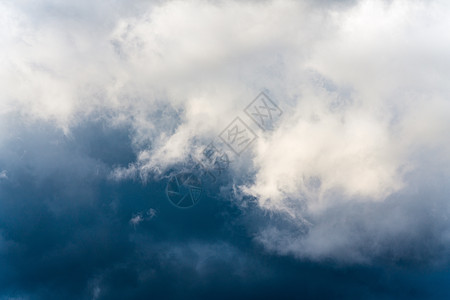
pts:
[363, 86]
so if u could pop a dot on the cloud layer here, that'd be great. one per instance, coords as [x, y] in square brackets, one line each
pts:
[356, 169]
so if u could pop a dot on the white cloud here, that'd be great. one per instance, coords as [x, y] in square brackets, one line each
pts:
[363, 87]
[141, 216]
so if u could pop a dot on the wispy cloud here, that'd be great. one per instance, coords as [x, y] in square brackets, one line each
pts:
[363, 86]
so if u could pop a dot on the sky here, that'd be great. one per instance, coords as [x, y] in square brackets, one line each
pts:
[224, 149]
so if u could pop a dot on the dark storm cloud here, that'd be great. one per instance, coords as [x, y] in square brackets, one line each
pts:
[349, 199]
[66, 234]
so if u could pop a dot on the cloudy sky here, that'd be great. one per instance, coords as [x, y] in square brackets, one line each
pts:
[338, 187]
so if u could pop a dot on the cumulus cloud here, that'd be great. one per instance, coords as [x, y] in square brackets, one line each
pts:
[362, 85]
[364, 146]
